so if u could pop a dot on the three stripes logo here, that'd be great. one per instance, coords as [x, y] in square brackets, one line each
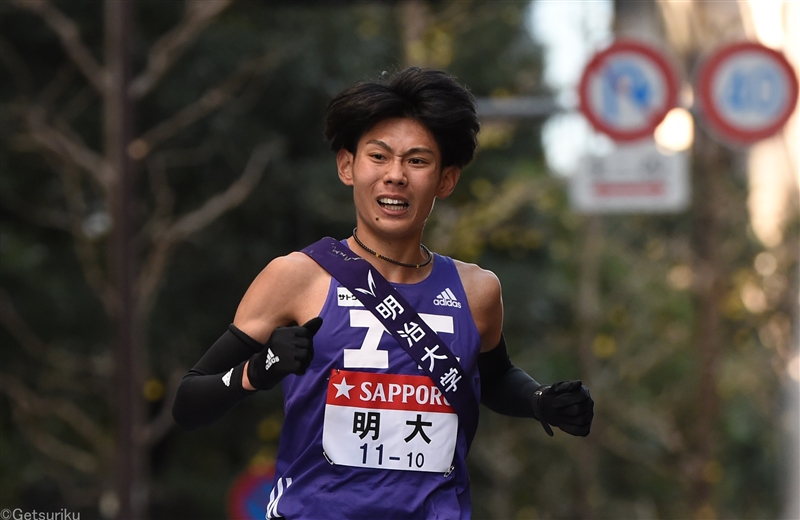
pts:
[447, 299]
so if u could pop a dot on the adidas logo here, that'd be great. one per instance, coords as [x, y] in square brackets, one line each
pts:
[447, 299]
[227, 378]
[271, 359]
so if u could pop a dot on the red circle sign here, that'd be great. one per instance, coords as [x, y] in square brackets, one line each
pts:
[249, 495]
[627, 89]
[746, 92]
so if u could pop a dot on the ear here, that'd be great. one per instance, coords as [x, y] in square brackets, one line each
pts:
[344, 163]
[447, 183]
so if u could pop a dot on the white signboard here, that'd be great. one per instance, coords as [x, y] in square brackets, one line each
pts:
[636, 178]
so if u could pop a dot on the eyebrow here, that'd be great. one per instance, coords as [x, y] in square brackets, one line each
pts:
[418, 149]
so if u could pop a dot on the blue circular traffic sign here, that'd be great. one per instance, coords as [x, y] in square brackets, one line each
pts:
[746, 92]
[249, 495]
[627, 89]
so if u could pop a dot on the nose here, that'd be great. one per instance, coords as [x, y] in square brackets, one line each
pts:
[395, 172]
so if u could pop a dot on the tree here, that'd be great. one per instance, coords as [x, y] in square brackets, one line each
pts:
[123, 248]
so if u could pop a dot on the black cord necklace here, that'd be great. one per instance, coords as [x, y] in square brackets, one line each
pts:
[413, 266]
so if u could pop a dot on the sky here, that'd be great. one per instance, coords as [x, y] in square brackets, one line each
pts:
[571, 33]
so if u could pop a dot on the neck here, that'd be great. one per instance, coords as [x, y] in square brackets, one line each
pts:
[385, 255]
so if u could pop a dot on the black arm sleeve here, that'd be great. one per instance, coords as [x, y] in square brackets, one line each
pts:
[505, 389]
[214, 385]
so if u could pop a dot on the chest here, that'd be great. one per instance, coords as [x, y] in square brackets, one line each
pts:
[353, 338]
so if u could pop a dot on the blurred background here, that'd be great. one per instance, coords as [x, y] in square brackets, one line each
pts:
[155, 156]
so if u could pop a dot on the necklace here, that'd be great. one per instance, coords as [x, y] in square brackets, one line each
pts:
[401, 264]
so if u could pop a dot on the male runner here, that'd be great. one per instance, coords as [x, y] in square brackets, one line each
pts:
[367, 433]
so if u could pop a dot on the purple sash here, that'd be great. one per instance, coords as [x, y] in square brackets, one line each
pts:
[401, 320]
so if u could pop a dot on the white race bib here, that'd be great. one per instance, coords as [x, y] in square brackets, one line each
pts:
[388, 421]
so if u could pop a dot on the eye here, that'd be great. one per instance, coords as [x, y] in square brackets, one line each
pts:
[417, 161]
[377, 156]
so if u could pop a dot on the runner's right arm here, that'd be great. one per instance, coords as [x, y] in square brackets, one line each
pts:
[255, 353]
[214, 385]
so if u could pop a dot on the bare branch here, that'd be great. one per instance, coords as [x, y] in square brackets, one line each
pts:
[16, 66]
[75, 106]
[212, 100]
[76, 495]
[66, 145]
[70, 37]
[157, 165]
[45, 217]
[163, 422]
[621, 445]
[198, 15]
[214, 207]
[85, 246]
[58, 84]
[230, 198]
[66, 153]
[61, 451]
[66, 363]
[11, 320]
[159, 186]
[152, 274]
[29, 405]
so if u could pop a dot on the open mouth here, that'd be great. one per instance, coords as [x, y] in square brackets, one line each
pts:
[392, 204]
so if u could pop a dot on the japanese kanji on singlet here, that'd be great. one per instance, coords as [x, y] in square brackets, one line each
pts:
[367, 433]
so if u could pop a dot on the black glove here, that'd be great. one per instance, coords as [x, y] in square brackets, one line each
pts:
[567, 405]
[289, 350]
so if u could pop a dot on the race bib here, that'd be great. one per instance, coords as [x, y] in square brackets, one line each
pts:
[388, 421]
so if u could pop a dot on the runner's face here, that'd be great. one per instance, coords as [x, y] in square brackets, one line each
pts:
[396, 174]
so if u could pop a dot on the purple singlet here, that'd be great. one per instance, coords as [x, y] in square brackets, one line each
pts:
[367, 434]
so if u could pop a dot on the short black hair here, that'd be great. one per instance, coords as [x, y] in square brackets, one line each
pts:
[432, 97]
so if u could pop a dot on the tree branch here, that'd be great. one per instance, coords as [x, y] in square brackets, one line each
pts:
[16, 66]
[236, 193]
[66, 153]
[76, 495]
[198, 15]
[166, 238]
[28, 405]
[70, 37]
[163, 422]
[66, 145]
[213, 99]
[59, 450]
[85, 245]
[64, 362]
[45, 217]
[11, 320]
[58, 84]
[76, 105]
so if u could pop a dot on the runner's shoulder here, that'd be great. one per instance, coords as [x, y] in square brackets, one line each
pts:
[292, 272]
[481, 285]
[485, 299]
[288, 290]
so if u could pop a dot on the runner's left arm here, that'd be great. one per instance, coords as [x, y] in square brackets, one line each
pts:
[508, 390]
